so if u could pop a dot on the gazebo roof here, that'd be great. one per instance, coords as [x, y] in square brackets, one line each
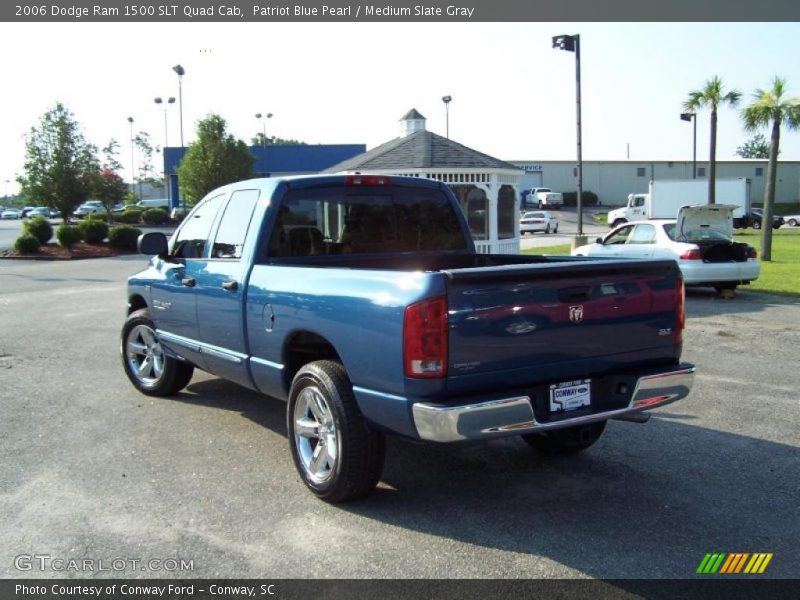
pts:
[421, 150]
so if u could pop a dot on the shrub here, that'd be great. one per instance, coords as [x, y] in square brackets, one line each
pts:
[68, 235]
[155, 216]
[93, 231]
[38, 227]
[587, 198]
[124, 236]
[98, 216]
[26, 244]
[130, 217]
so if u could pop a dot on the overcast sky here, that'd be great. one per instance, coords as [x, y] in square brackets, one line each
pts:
[513, 95]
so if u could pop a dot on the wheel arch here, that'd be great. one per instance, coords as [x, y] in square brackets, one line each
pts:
[302, 347]
[136, 302]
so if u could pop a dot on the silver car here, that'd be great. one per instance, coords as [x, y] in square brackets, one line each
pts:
[538, 220]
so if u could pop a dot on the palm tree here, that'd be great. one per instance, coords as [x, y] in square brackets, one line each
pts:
[771, 106]
[711, 96]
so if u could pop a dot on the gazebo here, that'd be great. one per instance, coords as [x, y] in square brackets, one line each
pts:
[486, 188]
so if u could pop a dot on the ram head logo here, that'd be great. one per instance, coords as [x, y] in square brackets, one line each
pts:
[576, 313]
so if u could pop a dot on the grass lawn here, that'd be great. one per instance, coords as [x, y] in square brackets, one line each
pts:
[780, 276]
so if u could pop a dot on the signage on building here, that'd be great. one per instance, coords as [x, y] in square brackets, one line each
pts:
[529, 168]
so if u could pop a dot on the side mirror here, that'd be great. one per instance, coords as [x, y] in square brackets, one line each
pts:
[598, 240]
[153, 243]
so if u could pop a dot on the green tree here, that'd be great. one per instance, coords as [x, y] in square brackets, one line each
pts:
[711, 96]
[259, 140]
[214, 159]
[58, 162]
[771, 107]
[111, 156]
[756, 147]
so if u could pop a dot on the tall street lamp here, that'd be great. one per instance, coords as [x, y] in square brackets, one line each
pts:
[265, 116]
[159, 101]
[447, 100]
[572, 43]
[181, 72]
[133, 170]
[693, 118]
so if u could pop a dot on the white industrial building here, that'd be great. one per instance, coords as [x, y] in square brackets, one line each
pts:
[613, 180]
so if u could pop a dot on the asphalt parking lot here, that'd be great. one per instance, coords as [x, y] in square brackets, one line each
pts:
[89, 468]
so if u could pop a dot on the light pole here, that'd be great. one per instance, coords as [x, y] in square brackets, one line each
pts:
[693, 118]
[181, 72]
[6, 194]
[572, 43]
[133, 170]
[447, 100]
[266, 116]
[159, 101]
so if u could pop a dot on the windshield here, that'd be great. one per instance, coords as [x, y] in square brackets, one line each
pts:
[700, 234]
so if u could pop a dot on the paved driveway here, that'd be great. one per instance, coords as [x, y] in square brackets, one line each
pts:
[89, 468]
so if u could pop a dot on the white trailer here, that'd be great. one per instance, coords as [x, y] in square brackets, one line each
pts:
[667, 196]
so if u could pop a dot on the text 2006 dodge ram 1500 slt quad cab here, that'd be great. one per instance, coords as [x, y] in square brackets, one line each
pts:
[360, 300]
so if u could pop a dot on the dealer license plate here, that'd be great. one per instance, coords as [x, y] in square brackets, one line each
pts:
[570, 395]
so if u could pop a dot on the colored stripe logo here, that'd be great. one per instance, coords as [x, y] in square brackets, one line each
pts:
[731, 563]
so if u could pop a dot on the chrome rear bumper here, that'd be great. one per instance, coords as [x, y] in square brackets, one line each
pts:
[506, 416]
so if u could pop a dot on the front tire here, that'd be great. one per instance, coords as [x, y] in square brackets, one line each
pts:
[756, 224]
[149, 369]
[570, 440]
[792, 222]
[335, 452]
[547, 230]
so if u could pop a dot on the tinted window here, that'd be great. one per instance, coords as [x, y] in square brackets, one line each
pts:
[344, 220]
[193, 235]
[235, 222]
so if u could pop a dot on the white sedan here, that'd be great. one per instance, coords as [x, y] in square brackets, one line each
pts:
[537, 220]
[792, 220]
[700, 241]
[10, 213]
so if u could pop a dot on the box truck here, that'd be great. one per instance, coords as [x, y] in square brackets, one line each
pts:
[667, 196]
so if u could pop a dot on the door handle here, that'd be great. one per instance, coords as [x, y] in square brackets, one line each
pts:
[189, 281]
[230, 285]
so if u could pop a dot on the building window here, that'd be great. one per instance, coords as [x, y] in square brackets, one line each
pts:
[701, 171]
[506, 212]
[574, 171]
[641, 172]
[759, 171]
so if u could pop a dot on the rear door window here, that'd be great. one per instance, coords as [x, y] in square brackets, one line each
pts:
[235, 222]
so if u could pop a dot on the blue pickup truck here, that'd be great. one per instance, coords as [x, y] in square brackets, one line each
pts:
[361, 302]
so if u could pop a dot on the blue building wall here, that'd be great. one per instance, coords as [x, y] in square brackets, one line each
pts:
[274, 160]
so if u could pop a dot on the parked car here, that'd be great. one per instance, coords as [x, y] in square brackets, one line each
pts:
[700, 241]
[360, 300]
[11, 213]
[55, 214]
[89, 207]
[792, 220]
[25, 211]
[154, 203]
[757, 215]
[40, 211]
[539, 220]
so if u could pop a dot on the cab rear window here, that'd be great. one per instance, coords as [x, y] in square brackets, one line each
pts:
[370, 220]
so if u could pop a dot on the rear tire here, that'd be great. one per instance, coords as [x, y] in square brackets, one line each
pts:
[756, 224]
[570, 440]
[335, 452]
[547, 230]
[792, 222]
[149, 369]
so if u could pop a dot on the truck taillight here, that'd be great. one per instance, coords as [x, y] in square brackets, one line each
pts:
[367, 180]
[680, 309]
[425, 339]
[693, 254]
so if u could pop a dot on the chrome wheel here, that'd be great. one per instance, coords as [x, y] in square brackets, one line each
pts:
[315, 435]
[144, 355]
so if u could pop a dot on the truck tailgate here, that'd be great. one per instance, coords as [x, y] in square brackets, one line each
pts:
[522, 324]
